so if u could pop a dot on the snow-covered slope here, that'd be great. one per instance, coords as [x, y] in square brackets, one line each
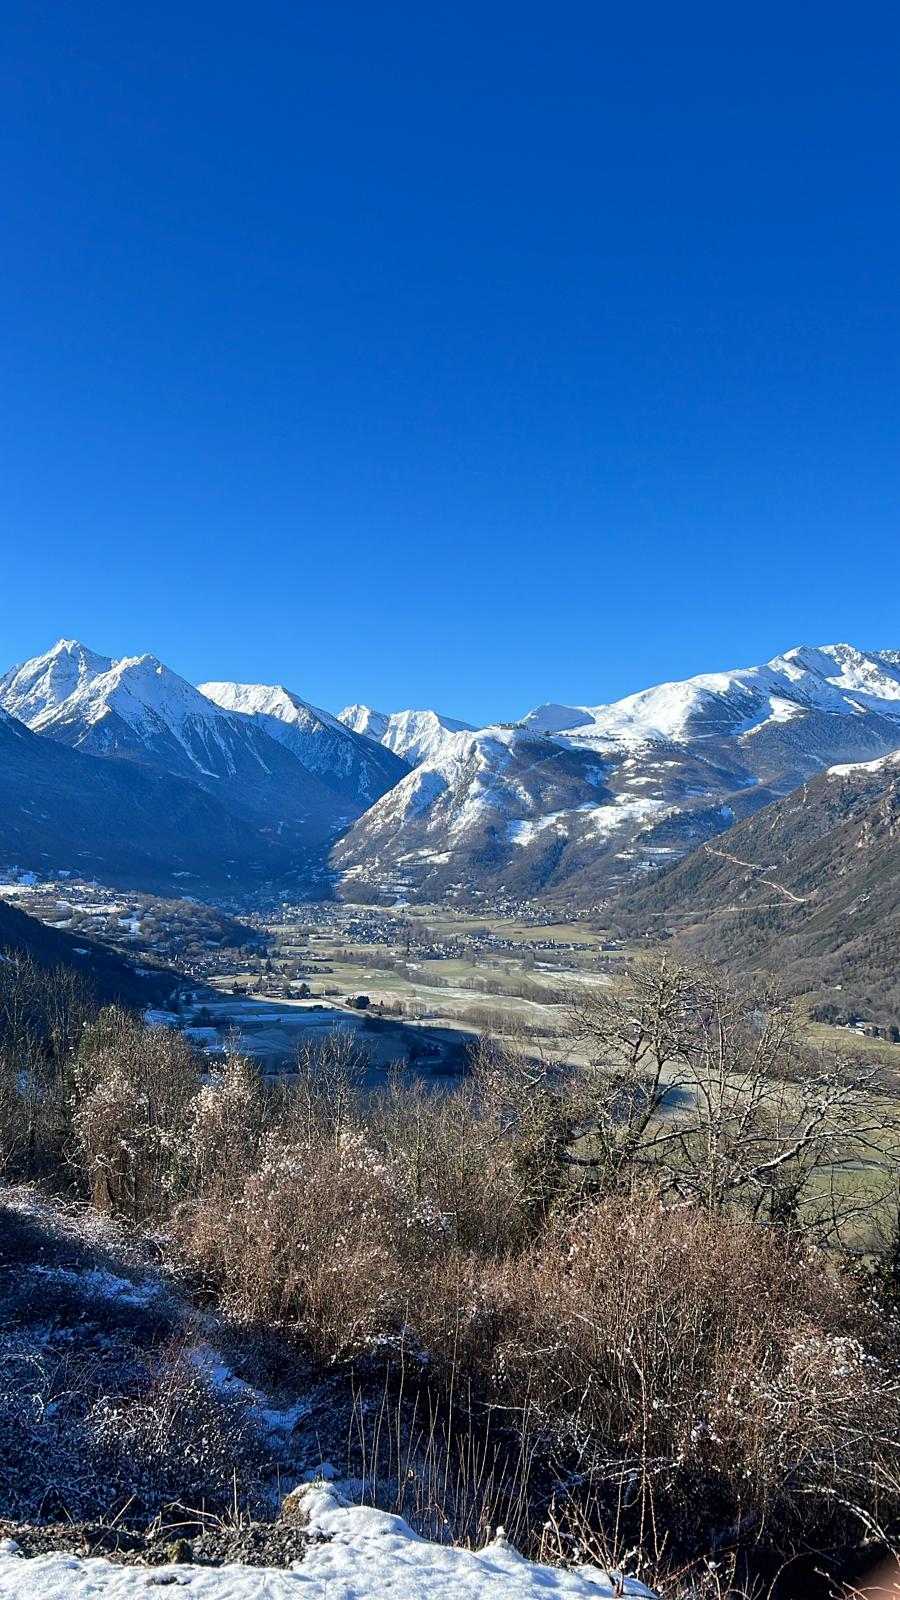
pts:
[364, 721]
[833, 679]
[885, 764]
[355, 1553]
[484, 811]
[354, 766]
[415, 736]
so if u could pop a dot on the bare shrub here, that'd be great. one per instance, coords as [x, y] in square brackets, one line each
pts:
[224, 1125]
[695, 1370]
[453, 1475]
[321, 1238]
[323, 1099]
[488, 1155]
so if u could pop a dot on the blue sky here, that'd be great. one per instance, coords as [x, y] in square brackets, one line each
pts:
[467, 355]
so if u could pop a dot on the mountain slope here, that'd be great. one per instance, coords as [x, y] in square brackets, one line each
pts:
[775, 724]
[113, 980]
[356, 768]
[472, 814]
[414, 736]
[680, 763]
[505, 810]
[64, 810]
[136, 709]
[567, 805]
[808, 888]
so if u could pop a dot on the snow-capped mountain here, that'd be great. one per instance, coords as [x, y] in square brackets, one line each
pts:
[679, 763]
[834, 680]
[355, 767]
[569, 802]
[137, 709]
[415, 736]
[40, 686]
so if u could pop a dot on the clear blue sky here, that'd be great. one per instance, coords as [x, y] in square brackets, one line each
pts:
[470, 355]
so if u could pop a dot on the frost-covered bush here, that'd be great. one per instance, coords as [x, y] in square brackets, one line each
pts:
[176, 1436]
[133, 1086]
[694, 1369]
[223, 1128]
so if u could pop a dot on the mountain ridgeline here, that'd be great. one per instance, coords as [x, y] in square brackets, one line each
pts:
[123, 770]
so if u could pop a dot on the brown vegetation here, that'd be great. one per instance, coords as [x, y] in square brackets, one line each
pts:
[646, 1304]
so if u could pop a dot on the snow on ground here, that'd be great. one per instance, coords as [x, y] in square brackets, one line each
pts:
[523, 832]
[97, 1282]
[881, 764]
[365, 1555]
[601, 820]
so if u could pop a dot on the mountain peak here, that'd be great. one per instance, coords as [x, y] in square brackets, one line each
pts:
[269, 700]
[37, 687]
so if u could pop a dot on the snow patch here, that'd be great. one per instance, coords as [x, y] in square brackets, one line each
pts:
[365, 1555]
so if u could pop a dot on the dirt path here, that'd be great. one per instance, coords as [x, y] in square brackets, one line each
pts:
[798, 899]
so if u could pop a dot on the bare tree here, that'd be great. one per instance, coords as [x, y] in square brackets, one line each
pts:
[706, 1088]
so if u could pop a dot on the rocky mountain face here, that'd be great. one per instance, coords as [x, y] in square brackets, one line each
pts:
[808, 889]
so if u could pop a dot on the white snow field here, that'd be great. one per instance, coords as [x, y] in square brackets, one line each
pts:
[366, 1555]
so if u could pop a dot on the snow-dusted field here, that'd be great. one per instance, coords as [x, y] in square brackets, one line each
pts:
[365, 1555]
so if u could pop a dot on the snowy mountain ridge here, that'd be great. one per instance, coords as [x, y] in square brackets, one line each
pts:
[571, 799]
[415, 736]
[322, 742]
[659, 772]
[834, 679]
[272, 760]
